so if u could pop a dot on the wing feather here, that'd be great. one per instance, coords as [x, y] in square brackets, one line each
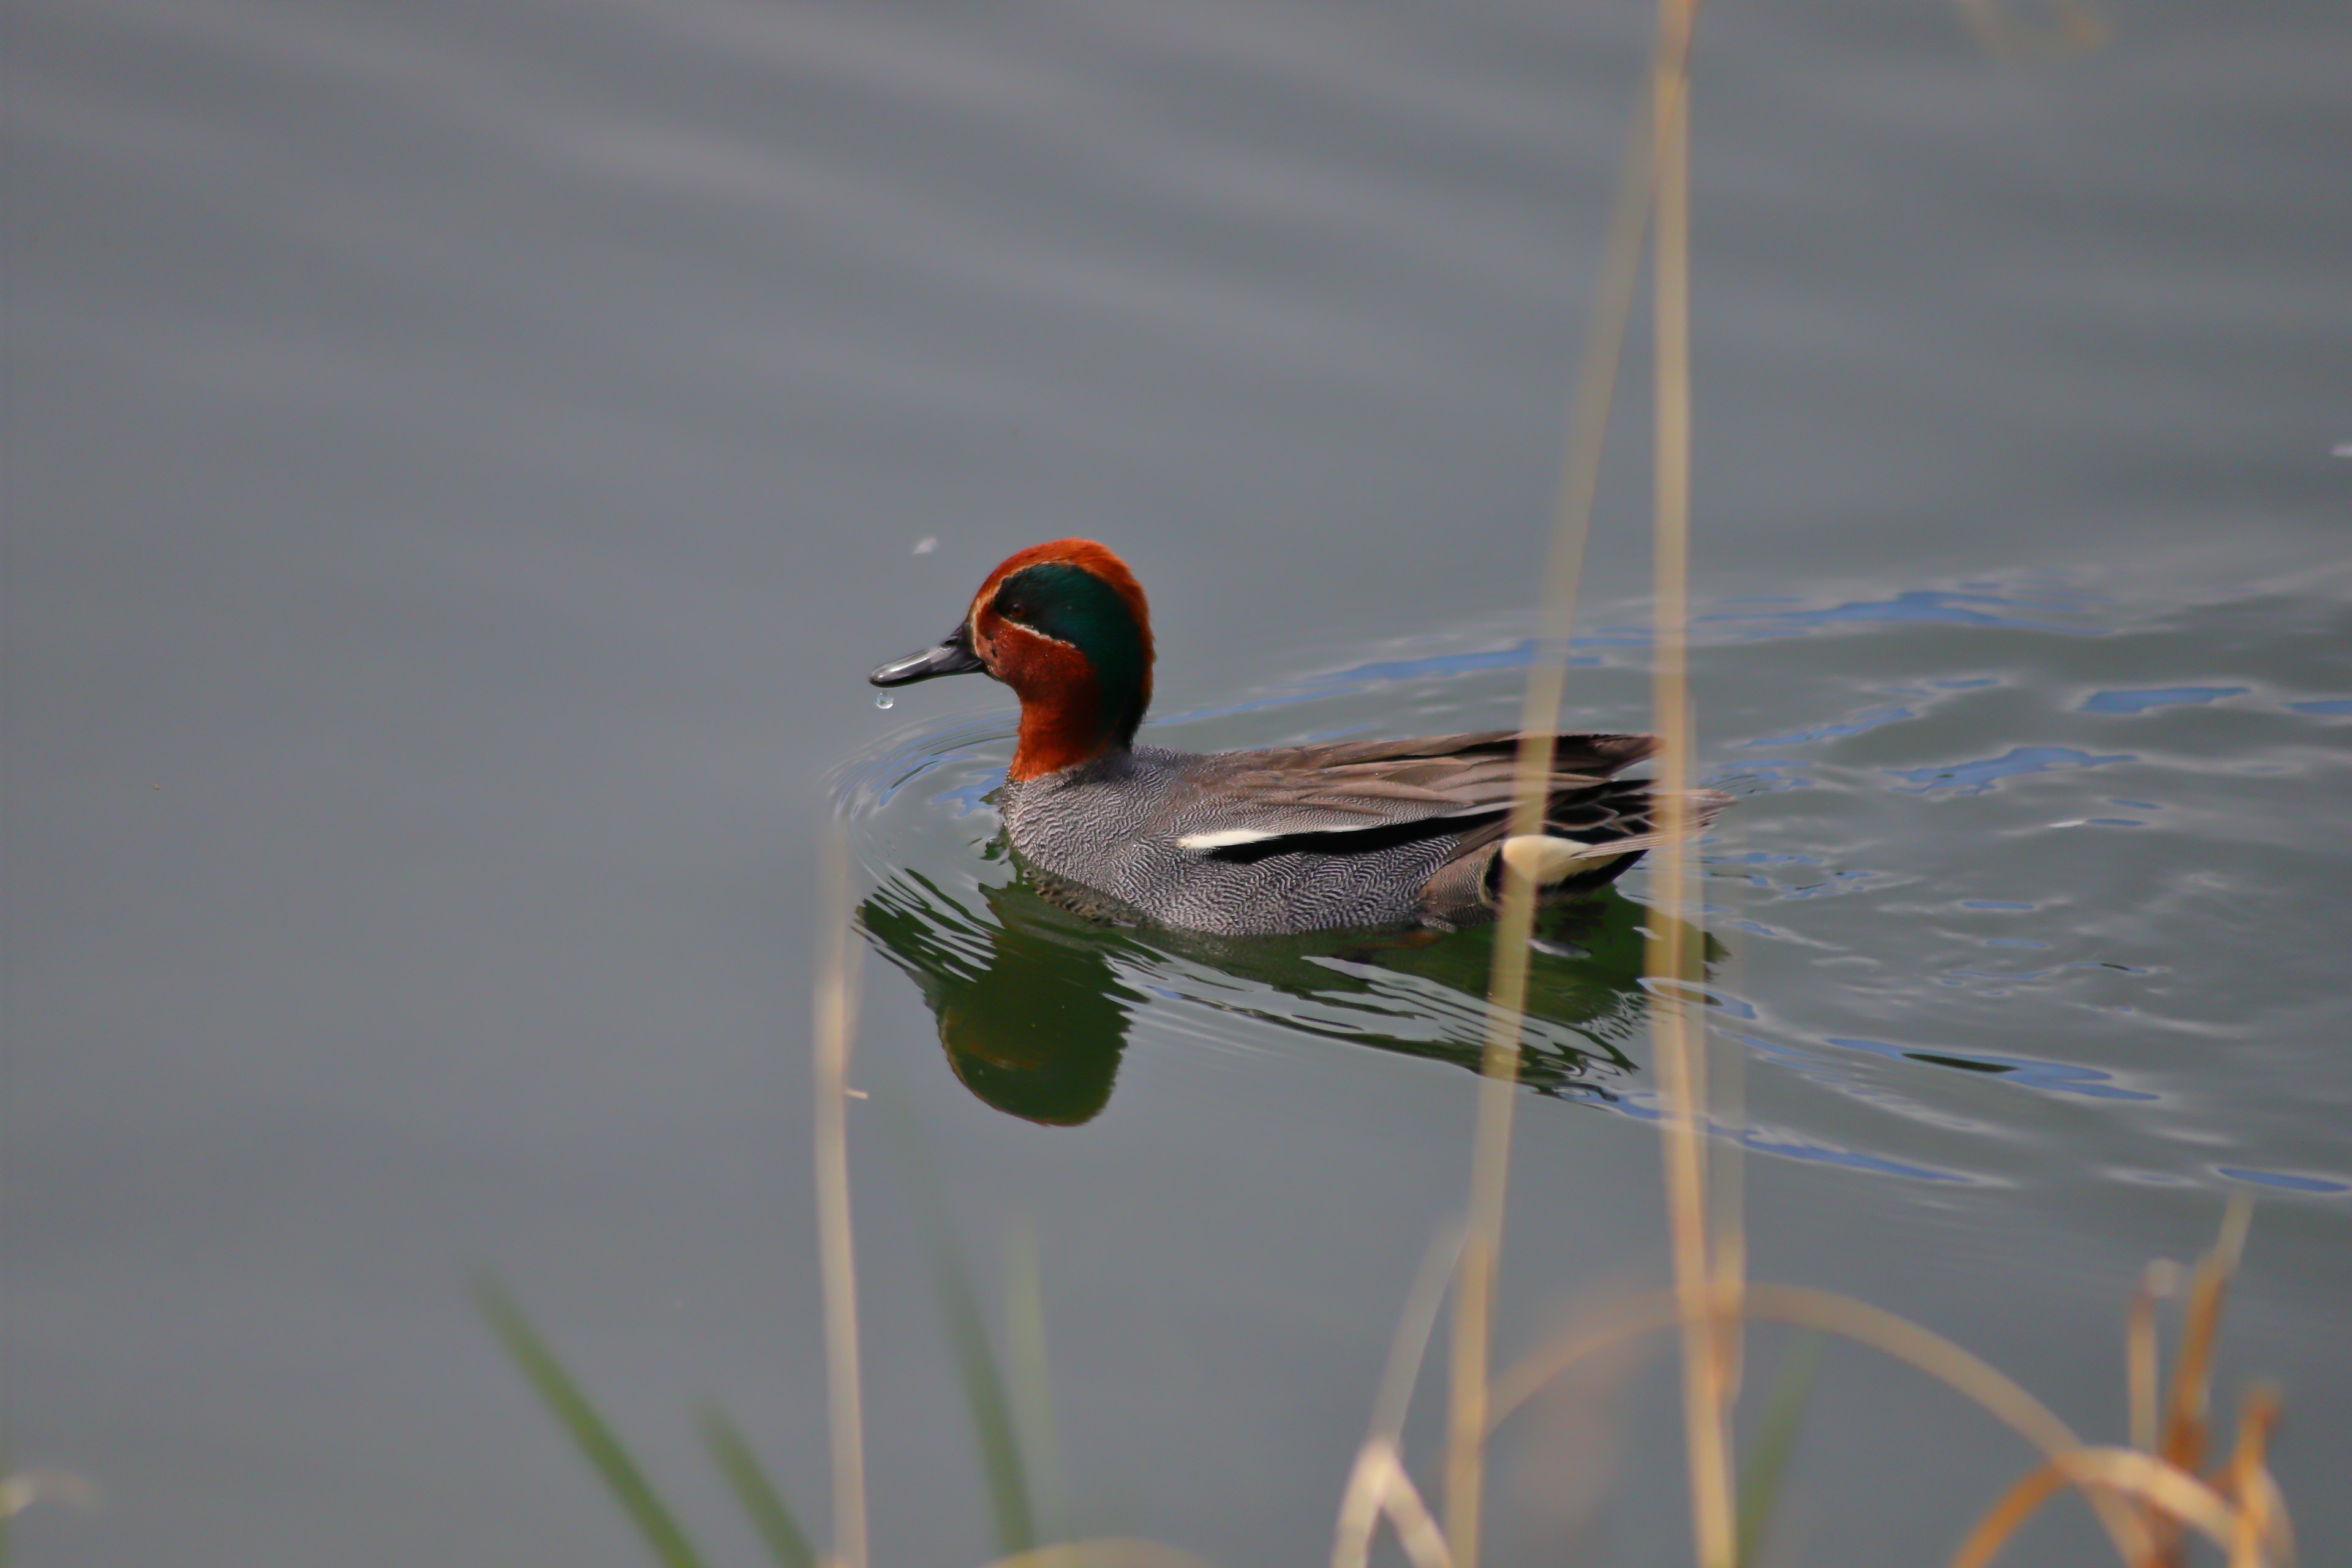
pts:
[1256, 800]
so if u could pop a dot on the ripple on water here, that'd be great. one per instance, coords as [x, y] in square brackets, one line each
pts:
[1928, 740]
[2161, 697]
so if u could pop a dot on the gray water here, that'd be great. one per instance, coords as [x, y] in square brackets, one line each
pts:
[463, 460]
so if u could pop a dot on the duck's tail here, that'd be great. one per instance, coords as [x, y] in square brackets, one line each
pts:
[1592, 837]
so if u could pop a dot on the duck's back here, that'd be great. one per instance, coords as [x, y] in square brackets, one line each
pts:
[1311, 837]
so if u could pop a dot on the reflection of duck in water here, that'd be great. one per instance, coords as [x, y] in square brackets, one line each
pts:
[1030, 1009]
[1033, 1000]
[1290, 839]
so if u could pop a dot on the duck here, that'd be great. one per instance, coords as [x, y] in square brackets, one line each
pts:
[1271, 841]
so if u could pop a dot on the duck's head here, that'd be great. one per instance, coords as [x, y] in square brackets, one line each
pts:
[1064, 626]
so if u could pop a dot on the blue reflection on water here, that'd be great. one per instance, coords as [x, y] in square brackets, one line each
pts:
[1790, 1145]
[2293, 1183]
[2326, 708]
[1936, 604]
[1975, 778]
[2062, 1077]
[1853, 726]
[1761, 776]
[971, 797]
[1516, 656]
[2156, 697]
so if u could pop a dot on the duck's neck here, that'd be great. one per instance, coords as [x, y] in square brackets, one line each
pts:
[1062, 731]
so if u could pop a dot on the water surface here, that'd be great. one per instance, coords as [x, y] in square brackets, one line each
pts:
[463, 461]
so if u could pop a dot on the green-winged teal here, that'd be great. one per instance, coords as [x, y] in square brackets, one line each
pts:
[1292, 839]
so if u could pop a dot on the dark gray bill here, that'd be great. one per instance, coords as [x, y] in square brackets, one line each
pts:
[953, 657]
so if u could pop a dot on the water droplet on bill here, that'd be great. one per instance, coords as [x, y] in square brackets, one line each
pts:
[882, 702]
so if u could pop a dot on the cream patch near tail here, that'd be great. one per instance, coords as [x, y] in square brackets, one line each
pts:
[1544, 860]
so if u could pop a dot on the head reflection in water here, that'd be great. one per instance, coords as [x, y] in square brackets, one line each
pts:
[1030, 1009]
[1034, 1001]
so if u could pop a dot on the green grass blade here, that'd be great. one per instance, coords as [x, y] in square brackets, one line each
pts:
[588, 1430]
[983, 1390]
[1761, 1478]
[1032, 1380]
[787, 1543]
[983, 1384]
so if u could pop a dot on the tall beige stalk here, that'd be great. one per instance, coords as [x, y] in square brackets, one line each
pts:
[836, 1022]
[1681, 1062]
[1539, 720]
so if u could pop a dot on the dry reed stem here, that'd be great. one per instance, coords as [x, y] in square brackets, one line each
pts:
[1940, 1358]
[2183, 1439]
[2270, 1506]
[1682, 1069]
[1589, 415]
[1727, 1200]
[45, 1483]
[2012, 1508]
[1379, 1488]
[2256, 1417]
[1362, 1503]
[2143, 1370]
[1107, 1552]
[2076, 27]
[1803, 1307]
[1626, 1320]
[1416, 1527]
[1727, 1227]
[2192, 1370]
[2241, 1477]
[1360, 1507]
[836, 1023]
[2165, 1488]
